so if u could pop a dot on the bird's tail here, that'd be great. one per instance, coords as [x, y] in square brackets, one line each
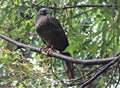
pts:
[68, 67]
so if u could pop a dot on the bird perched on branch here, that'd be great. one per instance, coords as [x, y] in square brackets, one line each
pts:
[53, 35]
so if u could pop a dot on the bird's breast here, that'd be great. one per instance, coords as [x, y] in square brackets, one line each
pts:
[51, 34]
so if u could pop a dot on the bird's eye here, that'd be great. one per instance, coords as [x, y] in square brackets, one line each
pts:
[43, 11]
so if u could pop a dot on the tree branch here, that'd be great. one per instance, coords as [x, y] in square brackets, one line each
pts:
[80, 6]
[99, 72]
[60, 56]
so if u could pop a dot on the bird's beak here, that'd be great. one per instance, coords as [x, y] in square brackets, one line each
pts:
[47, 11]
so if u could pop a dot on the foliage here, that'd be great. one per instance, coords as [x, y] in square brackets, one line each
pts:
[93, 32]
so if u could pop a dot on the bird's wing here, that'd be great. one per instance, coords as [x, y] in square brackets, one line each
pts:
[54, 23]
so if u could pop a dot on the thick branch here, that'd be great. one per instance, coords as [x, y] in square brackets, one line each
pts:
[59, 56]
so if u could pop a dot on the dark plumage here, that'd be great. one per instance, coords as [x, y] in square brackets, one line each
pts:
[50, 31]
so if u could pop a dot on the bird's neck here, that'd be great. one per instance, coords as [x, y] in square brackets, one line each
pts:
[38, 16]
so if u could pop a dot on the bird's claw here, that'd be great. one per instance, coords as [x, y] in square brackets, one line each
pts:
[47, 50]
[44, 48]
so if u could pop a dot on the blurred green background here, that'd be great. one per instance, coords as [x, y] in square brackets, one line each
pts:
[93, 32]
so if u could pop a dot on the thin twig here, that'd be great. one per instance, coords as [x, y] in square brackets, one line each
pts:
[112, 75]
[80, 6]
[79, 14]
[99, 72]
[76, 6]
[119, 76]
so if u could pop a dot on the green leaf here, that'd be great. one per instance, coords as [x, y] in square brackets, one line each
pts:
[20, 85]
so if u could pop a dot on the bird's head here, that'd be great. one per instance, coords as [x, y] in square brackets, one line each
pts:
[43, 11]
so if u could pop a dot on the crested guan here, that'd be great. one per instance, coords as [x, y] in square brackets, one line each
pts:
[51, 32]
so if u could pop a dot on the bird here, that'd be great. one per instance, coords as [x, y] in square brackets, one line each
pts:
[52, 34]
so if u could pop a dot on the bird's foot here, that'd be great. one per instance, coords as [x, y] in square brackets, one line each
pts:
[47, 50]
[44, 48]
